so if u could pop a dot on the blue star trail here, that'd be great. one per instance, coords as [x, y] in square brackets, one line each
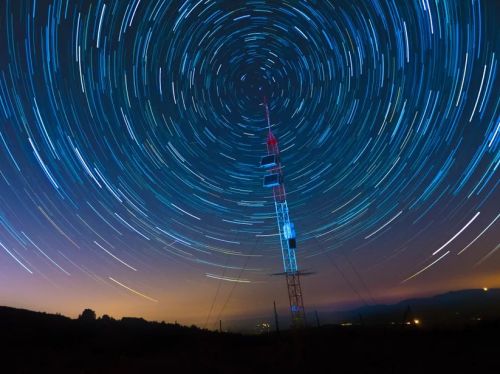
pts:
[131, 133]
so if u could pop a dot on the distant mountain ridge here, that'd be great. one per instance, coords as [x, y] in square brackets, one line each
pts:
[443, 309]
[438, 309]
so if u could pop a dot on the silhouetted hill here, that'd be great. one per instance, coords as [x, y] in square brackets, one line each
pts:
[15, 314]
[450, 309]
[46, 343]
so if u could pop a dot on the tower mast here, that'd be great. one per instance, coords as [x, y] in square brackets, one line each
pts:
[274, 179]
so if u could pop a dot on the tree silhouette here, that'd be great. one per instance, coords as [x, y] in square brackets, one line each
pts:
[107, 318]
[87, 315]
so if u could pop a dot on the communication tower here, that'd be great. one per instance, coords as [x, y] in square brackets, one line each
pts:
[274, 179]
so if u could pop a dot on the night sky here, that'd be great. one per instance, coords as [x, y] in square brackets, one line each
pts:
[131, 133]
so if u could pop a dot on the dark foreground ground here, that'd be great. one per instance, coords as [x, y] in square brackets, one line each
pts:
[35, 342]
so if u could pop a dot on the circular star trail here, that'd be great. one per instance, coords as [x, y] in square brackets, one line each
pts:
[131, 133]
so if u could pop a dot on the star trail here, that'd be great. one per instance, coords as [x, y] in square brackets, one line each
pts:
[131, 134]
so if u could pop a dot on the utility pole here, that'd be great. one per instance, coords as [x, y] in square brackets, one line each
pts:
[276, 323]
